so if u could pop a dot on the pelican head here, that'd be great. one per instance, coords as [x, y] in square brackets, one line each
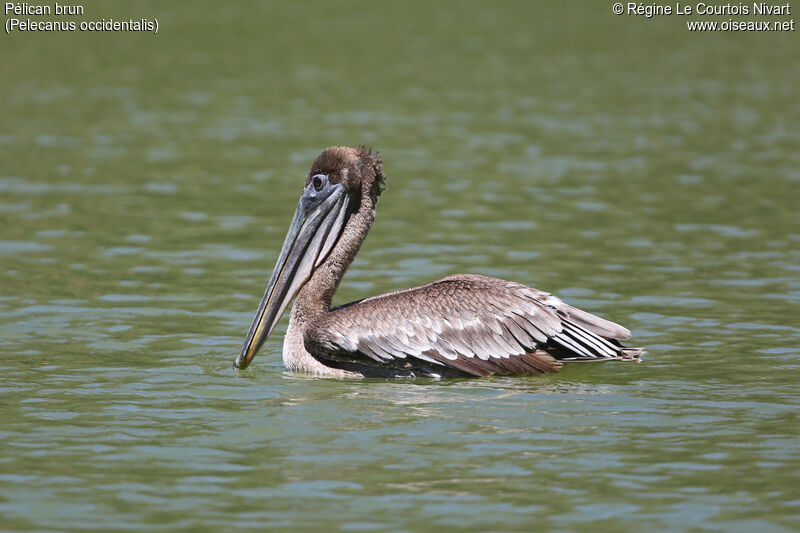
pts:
[341, 182]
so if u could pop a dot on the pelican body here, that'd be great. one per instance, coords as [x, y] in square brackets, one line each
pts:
[461, 325]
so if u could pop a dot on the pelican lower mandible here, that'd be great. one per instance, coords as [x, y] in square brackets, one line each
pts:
[461, 325]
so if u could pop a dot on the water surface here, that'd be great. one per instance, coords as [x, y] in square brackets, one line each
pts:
[636, 170]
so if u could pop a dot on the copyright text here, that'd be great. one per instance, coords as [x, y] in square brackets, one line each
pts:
[779, 13]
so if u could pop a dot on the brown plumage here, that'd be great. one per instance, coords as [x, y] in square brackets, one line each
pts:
[461, 325]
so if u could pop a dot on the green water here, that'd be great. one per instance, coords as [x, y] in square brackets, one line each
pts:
[635, 169]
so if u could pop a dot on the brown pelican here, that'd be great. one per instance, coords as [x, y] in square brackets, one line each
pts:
[461, 325]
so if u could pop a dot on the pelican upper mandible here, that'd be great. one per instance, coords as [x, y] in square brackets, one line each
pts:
[461, 325]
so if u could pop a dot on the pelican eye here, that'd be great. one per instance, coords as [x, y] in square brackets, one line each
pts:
[318, 181]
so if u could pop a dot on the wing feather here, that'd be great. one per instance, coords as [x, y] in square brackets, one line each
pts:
[473, 324]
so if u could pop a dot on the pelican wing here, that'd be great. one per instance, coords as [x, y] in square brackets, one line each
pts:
[474, 324]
